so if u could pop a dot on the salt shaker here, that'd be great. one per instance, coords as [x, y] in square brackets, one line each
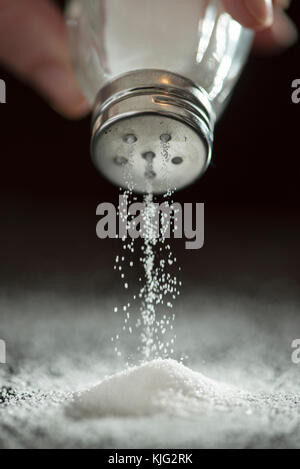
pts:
[158, 74]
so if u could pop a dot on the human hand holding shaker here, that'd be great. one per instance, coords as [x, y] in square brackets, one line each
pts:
[158, 75]
[113, 38]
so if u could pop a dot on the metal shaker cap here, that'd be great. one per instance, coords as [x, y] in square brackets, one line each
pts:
[152, 131]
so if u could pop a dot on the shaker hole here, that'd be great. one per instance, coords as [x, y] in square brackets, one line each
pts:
[165, 138]
[150, 174]
[177, 160]
[148, 156]
[120, 160]
[130, 138]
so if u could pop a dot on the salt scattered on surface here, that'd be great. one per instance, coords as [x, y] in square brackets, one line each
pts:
[156, 387]
[63, 353]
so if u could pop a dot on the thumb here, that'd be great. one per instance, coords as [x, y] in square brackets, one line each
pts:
[33, 44]
[254, 14]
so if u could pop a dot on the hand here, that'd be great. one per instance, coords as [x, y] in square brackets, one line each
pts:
[33, 44]
[274, 28]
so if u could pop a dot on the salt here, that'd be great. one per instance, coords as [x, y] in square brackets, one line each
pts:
[156, 387]
[157, 286]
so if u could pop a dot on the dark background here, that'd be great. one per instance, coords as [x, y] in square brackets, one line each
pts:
[50, 189]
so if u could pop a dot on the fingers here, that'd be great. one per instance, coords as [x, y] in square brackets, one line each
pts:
[274, 28]
[283, 3]
[283, 33]
[254, 14]
[33, 43]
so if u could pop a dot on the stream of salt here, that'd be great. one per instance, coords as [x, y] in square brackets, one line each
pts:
[159, 285]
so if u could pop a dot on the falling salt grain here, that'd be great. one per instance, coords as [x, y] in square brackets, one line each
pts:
[157, 285]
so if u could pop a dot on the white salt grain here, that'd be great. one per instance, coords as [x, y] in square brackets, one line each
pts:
[157, 286]
[159, 386]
